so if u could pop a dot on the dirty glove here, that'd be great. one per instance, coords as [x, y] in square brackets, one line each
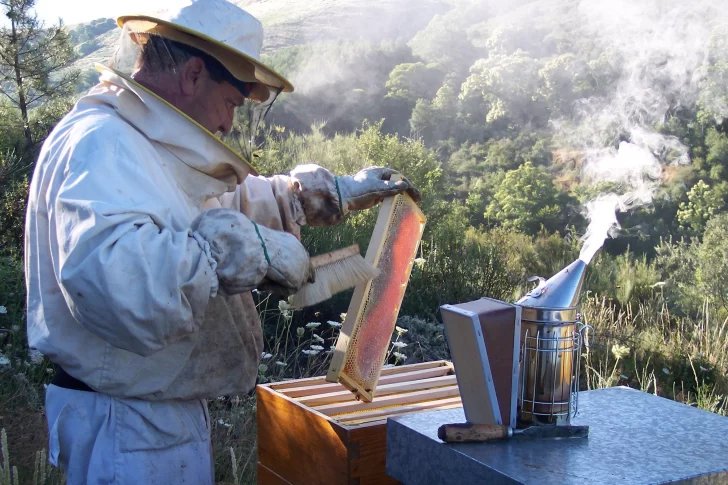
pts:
[370, 186]
[249, 256]
[325, 199]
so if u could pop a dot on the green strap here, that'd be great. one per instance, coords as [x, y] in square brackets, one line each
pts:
[265, 249]
[341, 200]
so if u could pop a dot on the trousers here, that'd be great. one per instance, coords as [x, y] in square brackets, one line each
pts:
[98, 439]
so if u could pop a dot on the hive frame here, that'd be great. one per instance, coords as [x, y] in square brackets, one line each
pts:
[356, 308]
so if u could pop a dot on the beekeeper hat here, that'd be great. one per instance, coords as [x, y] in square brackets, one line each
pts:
[218, 28]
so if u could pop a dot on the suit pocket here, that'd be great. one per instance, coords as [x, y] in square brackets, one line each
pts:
[149, 425]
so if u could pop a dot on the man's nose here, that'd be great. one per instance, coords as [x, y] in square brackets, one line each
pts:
[227, 125]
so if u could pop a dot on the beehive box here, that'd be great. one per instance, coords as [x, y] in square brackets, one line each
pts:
[314, 432]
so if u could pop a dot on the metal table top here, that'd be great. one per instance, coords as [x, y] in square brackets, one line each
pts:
[634, 438]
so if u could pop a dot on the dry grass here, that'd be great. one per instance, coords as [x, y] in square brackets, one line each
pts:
[647, 348]
[644, 347]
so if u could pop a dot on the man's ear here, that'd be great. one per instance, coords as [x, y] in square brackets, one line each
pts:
[192, 74]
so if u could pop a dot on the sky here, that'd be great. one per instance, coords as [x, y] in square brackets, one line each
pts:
[75, 11]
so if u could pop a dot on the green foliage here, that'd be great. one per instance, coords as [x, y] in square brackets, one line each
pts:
[565, 79]
[712, 257]
[45, 117]
[34, 61]
[341, 83]
[90, 30]
[635, 279]
[13, 199]
[409, 156]
[503, 89]
[713, 102]
[703, 203]
[443, 41]
[413, 81]
[526, 200]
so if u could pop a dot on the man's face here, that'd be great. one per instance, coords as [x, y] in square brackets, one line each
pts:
[206, 101]
[214, 105]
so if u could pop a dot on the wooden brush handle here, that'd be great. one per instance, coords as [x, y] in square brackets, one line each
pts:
[466, 432]
[328, 258]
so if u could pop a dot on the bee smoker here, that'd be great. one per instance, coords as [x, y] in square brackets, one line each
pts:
[550, 349]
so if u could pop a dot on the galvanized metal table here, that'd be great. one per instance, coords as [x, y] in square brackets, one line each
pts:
[634, 438]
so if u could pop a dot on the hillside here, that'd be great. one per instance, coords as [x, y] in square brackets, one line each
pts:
[298, 22]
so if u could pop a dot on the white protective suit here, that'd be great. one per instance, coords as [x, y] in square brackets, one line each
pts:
[125, 297]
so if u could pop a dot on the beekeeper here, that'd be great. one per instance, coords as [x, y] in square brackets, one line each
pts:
[145, 235]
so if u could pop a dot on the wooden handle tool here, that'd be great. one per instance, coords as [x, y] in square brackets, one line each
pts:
[467, 432]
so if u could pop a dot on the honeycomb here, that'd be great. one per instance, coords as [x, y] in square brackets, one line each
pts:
[369, 342]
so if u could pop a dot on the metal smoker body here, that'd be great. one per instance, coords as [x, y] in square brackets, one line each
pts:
[551, 339]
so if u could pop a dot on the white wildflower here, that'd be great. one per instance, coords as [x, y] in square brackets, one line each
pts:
[3, 309]
[400, 356]
[317, 348]
[266, 355]
[280, 364]
[45, 386]
[703, 369]
[620, 351]
[399, 345]
[318, 338]
[342, 316]
[310, 352]
[15, 328]
[333, 324]
[35, 357]
[400, 331]
[4, 360]
[300, 331]
[420, 262]
[283, 306]
[49, 371]
[313, 324]
[262, 368]
[223, 423]
[332, 348]
[666, 371]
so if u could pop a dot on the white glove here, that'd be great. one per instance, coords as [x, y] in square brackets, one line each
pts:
[251, 256]
[326, 199]
[369, 186]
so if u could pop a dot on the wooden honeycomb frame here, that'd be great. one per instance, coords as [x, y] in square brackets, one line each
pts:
[392, 249]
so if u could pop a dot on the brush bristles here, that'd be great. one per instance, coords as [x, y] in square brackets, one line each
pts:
[333, 278]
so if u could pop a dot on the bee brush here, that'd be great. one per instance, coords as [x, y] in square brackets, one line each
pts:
[334, 272]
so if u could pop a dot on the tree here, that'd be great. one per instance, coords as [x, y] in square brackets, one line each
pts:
[413, 81]
[703, 203]
[526, 200]
[34, 61]
[712, 257]
[503, 89]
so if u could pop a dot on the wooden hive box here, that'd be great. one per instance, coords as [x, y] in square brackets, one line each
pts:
[314, 432]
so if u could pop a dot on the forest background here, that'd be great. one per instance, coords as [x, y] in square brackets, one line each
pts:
[521, 122]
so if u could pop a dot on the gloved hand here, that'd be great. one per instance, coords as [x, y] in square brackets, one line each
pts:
[370, 186]
[250, 256]
[324, 203]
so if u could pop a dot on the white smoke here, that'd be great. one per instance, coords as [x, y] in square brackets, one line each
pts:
[661, 48]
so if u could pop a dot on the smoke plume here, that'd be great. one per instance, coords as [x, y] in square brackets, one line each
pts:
[660, 48]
